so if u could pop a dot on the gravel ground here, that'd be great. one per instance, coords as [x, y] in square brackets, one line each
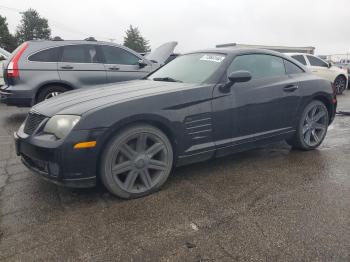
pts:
[268, 204]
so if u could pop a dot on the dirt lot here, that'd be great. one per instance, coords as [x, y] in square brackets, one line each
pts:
[269, 204]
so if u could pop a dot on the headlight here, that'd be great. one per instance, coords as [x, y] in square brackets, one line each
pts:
[61, 125]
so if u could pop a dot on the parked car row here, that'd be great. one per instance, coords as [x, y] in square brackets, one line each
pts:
[338, 76]
[38, 70]
[199, 106]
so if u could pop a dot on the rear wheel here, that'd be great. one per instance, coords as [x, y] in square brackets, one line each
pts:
[49, 92]
[312, 127]
[136, 162]
[340, 84]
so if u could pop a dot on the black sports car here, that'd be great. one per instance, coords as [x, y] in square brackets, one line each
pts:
[201, 105]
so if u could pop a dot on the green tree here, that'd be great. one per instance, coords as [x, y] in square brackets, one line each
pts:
[135, 41]
[7, 41]
[32, 26]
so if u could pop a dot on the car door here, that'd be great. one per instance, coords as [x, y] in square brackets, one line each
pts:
[263, 107]
[81, 66]
[122, 65]
[320, 67]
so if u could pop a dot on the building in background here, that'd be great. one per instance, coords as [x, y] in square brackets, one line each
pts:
[282, 49]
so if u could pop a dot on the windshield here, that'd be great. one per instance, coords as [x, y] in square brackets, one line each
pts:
[191, 68]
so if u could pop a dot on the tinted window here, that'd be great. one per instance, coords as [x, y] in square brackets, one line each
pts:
[300, 59]
[258, 65]
[292, 68]
[314, 61]
[48, 55]
[79, 54]
[116, 55]
[191, 68]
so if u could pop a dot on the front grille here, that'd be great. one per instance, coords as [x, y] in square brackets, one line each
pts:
[32, 122]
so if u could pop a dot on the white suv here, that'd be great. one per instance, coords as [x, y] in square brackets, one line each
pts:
[338, 76]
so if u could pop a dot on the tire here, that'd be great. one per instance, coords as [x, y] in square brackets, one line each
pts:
[49, 92]
[136, 162]
[312, 127]
[340, 84]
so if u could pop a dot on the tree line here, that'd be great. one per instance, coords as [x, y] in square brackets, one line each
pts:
[32, 26]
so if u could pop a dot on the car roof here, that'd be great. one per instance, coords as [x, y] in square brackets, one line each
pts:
[241, 50]
[290, 54]
[64, 42]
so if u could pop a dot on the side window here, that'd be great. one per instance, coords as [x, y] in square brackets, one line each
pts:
[258, 65]
[292, 68]
[300, 59]
[314, 61]
[116, 55]
[80, 54]
[48, 55]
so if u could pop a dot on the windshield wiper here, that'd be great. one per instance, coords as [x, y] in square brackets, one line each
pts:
[166, 79]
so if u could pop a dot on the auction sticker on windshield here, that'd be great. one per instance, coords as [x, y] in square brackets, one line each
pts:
[212, 58]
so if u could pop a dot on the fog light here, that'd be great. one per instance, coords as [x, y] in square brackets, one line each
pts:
[54, 169]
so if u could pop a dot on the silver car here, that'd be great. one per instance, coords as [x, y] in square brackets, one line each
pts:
[38, 69]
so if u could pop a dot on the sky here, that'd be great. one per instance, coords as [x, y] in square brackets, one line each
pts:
[196, 24]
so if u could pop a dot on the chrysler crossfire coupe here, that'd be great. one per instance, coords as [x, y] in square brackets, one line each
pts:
[201, 105]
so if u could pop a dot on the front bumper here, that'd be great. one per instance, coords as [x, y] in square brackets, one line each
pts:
[59, 162]
[12, 97]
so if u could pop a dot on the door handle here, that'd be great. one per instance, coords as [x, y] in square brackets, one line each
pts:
[67, 67]
[290, 88]
[113, 68]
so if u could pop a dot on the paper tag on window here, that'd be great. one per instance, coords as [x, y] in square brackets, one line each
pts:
[212, 58]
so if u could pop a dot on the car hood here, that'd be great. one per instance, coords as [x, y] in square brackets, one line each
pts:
[80, 101]
[161, 53]
[4, 53]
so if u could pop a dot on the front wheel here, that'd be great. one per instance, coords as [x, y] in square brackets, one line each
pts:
[136, 162]
[312, 127]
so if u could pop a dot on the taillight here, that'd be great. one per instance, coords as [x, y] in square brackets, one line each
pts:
[12, 68]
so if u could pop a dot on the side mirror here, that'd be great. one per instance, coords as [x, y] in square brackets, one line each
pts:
[240, 76]
[142, 63]
[329, 64]
[236, 77]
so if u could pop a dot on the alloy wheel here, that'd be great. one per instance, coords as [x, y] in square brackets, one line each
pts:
[139, 162]
[340, 84]
[315, 125]
[52, 94]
